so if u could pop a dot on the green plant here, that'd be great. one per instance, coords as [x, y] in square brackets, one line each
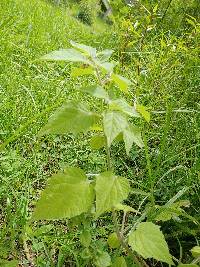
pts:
[84, 198]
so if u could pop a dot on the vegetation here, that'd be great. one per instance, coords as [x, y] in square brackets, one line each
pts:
[113, 177]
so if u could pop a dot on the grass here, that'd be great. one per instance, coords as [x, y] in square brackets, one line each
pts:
[30, 90]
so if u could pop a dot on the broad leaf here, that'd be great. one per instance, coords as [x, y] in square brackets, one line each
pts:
[85, 238]
[131, 135]
[71, 175]
[88, 50]
[70, 118]
[125, 208]
[114, 123]
[148, 241]
[110, 190]
[66, 55]
[97, 141]
[96, 91]
[81, 71]
[103, 260]
[167, 212]
[106, 66]
[104, 55]
[113, 241]
[195, 251]
[119, 262]
[123, 106]
[122, 82]
[144, 112]
[67, 195]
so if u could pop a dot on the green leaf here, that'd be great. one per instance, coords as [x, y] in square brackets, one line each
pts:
[195, 251]
[123, 106]
[88, 50]
[178, 195]
[104, 55]
[114, 123]
[97, 141]
[143, 111]
[131, 135]
[66, 55]
[103, 260]
[106, 66]
[125, 208]
[119, 262]
[67, 195]
[96, 91]
[85, 238]
[168, 211]
[191, 22]
[148, 241]
[113, 241]
[188, 265]
[71, 175]
[110, 190]
[70, 118]
[86, 254]
[122, 82]
[81, 71]
[6, 263]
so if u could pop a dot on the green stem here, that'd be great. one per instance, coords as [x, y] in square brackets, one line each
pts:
[119, 233]
[151, 180]
[109, 167]
[124, 244]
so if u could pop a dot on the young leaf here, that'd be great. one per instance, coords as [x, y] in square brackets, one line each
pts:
[106, 66]
[97, 141]
[148, 241]
[131, 135]
[113, 241]
[81, 71]
[119, 262]
[114, 123]
[110, 190]
[66, 196]
[96, 91]
[125, 208]
[143, 111]
[122, 82]
[70, 118]
[103, 260]
[123, 106]
[167, 212]
[195, 251]
[66, 55]
[85, 238]
[104, 55]
[88, 50]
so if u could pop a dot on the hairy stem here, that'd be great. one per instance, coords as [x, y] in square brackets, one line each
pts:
[140, 262]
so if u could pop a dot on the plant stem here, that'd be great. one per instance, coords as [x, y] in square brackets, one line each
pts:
[124, 244]
[140, 262]
[109, 167]
[149, 171]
